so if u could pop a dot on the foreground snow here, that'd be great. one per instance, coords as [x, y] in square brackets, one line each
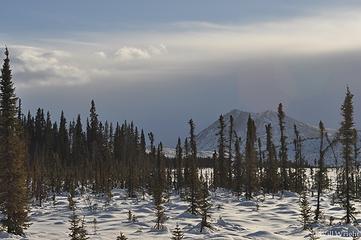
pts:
[266, 218]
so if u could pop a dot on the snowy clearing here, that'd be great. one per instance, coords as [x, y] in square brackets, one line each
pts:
[267, 217]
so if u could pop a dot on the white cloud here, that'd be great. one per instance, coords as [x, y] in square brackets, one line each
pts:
[158, 50]
[131, 53]
[101, 54]
[334, 30]
[47, 67]
[127, 53]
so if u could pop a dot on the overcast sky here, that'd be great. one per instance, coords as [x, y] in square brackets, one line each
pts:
[162, 62]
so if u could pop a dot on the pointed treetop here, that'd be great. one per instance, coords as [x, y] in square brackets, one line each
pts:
[6, 52]
[321, 125]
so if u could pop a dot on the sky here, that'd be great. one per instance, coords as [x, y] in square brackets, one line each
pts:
[160, 62]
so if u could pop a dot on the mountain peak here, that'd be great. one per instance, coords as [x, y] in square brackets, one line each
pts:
[268, 112]
[235, 113]
[207, 139]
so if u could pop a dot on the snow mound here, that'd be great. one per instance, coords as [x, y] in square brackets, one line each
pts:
[260, 235]
[288, 194]
[247, 203]
[5, 235]
[187, 215]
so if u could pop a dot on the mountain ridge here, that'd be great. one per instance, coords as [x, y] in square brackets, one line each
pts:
[207, 139]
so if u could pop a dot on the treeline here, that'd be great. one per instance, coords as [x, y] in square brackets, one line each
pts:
[40, 158]
[66, 155]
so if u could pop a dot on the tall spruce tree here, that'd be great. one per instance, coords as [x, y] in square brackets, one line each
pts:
[186, 160]
[260, 161]
[158, 188]
[251, 180]
[158, 202]
[230, 153]
[13, 191]
[283, 148]
[299, 175]
[194, 185]
[347, 140]
[321, 175]
[222, 168]
[179, 165]
[204, 206]
[94, 146]
[271, 167]
[63, 141]
[238, 167]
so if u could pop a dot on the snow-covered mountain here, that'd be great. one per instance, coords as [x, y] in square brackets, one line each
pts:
[207, 139]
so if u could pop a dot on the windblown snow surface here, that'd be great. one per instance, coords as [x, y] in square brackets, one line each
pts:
[275, 217]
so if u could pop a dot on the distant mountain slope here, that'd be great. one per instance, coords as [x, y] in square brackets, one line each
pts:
[207, 139]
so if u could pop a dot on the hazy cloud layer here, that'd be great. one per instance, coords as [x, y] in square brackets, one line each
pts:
[188, 43]
[162, 77]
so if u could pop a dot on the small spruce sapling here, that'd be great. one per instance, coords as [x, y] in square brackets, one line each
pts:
[121, 236]
[205, 205]
[177, 233]
[305, 211]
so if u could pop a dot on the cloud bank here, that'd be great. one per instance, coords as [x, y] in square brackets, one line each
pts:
[182, 45]
[198, 69]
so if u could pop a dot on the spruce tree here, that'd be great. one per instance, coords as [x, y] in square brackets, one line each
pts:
[283, 148]
[305, 210]
[357, 173]
[83, 233]
[121, 236]
[260, 162]
[238, 168]
[222, 168]
[13, 191]
[95, 227]
[158, 202]
[177, 233]
[186, 162]
[158, 189]
[74, 226]
[204, 206]
[77, 227]
[63, 141]
[251, 180]
[347, 140]
[230, 153]
[215, 176]
[271, 166]
[321, 175]
[193, 192]
[179, 165]
[299, 175]
[94, 146]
